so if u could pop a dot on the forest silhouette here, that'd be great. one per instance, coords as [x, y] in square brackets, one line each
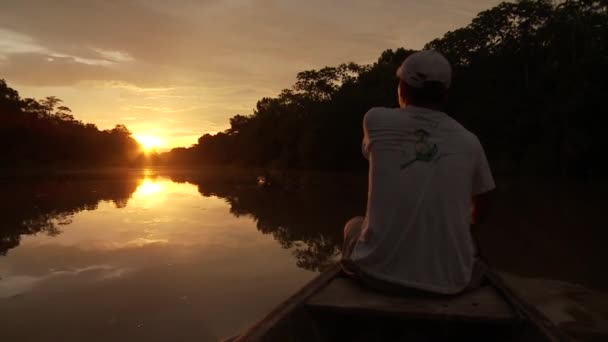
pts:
[45, 133]
[529, 79]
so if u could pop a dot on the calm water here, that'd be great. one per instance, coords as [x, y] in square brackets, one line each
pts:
[159, 256]
[148, 257]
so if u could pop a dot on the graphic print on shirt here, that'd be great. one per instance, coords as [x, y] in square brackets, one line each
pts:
[425, 151]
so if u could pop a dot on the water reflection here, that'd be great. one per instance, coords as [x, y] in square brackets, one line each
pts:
[32, 206]
[545, 224]
[309, 221]
[162, 254]
[154, 261]
[148, 188]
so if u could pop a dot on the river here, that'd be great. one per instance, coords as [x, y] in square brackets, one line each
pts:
[167, 255]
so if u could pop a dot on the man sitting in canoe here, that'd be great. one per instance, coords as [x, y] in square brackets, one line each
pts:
[425, 171]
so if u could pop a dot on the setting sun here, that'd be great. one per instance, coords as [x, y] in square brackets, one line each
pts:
[149, 142]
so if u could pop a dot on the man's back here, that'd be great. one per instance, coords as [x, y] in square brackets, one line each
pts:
[424, 169]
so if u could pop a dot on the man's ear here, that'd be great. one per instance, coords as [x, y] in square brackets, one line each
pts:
[401, 94]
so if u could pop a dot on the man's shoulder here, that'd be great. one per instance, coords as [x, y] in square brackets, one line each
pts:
[472, 137]
[382, 114]
[456, 126]
[452, 125]
[469, 139]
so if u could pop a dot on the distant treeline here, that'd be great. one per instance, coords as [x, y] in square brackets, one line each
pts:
[529, 80]
[45, 133]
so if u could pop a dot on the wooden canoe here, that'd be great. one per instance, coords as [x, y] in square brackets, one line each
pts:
[333, 307]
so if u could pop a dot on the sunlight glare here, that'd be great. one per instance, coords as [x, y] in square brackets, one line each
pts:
[148, 142]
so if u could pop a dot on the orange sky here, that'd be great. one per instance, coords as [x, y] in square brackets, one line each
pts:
[174, 70]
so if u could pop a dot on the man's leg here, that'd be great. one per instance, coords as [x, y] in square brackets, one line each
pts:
[352, 232]
[477, 275]
[479, 267]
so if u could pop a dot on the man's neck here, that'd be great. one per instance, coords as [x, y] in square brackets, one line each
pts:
[435, 108]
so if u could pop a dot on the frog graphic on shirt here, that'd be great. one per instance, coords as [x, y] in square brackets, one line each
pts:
[425, 150]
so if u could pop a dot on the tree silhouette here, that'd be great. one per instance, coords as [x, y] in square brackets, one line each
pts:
[528, 79]
[46, 133]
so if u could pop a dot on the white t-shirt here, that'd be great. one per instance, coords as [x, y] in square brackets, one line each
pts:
[424, 169]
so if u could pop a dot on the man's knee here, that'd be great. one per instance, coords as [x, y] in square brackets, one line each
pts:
[353, 226]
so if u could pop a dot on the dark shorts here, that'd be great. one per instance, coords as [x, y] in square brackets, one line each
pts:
[352, 233]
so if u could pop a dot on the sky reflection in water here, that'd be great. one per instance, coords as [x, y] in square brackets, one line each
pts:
[170, 263]
[199, 256]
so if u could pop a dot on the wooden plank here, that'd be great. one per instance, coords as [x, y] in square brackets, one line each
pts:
[345, 295]
[259, 330]
[532, 314]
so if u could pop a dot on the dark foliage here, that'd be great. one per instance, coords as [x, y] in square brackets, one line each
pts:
[45, 133]
[529, 81]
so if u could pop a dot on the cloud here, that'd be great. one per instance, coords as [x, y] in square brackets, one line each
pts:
[258, 41]
[132, 87]
[43, 70]
[14, 42]
[17, 284]
[114, 56]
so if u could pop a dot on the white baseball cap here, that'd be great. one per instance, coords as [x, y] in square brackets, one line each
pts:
[425, 66]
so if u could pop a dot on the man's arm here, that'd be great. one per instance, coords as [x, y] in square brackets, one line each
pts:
[482, 186]
[480, 207]
[384, 160]
[365, 144]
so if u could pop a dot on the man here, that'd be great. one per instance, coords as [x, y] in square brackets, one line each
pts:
[424, 171]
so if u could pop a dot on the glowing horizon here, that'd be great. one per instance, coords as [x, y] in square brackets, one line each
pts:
[199, 63]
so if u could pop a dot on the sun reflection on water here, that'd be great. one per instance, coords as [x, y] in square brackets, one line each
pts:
[148, 188]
